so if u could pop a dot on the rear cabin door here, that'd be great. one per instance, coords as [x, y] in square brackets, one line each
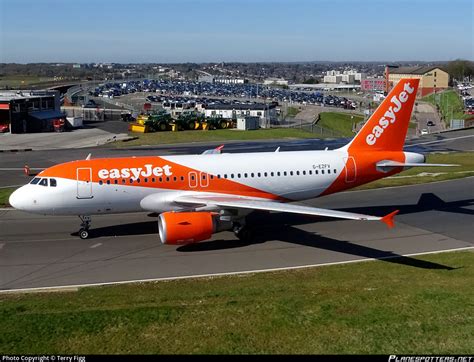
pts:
[84, 183]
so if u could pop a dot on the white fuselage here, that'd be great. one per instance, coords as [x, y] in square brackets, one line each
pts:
[286, 175]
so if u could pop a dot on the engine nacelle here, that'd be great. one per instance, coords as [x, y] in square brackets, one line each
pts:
[179, 228]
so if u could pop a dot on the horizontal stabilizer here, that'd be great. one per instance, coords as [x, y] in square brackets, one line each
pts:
[411, 164]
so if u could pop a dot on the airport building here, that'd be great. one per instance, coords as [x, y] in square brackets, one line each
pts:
[266, 112]
[29, 111]
[373, 84]
[347, 76]
[432, 78]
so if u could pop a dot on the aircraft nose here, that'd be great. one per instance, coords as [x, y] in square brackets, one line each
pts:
[17, 199]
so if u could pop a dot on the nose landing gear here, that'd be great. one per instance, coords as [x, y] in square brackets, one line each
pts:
[85, 225]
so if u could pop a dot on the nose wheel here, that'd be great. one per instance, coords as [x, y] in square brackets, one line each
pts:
[85, 225]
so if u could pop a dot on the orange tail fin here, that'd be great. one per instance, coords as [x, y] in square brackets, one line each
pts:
[387, 128]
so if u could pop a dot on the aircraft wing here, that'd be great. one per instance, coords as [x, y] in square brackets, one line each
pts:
[225, 201]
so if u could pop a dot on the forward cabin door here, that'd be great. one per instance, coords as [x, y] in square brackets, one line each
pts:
[350, 169]
[84, 183]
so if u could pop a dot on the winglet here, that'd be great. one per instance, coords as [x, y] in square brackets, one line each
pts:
[388, 219]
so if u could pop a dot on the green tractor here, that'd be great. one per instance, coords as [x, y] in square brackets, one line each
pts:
[189, 120]
[159, 121]
[218, 123]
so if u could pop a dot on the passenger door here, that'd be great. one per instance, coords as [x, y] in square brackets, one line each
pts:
[84, 183]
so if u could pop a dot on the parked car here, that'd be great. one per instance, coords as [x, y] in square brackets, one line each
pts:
[424, 131]
[430, 123]
[4, 128]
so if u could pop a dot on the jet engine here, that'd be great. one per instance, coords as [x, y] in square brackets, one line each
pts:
[179, 228]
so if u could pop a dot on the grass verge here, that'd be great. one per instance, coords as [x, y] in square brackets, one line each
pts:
[4, 195]
[342, 123]
[159, 138]
[419, 175]
[419, 305]
[450, 104]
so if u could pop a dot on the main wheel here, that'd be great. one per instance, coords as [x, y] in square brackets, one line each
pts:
[223, 124]
[245, 233]
[83, 234]
[162, 126]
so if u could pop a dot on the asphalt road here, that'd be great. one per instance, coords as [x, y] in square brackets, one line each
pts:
[462, 140]
[41, 251]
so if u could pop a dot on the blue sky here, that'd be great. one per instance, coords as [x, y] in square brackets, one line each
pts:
[234, 30]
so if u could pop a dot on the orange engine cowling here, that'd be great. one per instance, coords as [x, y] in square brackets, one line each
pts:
[178, 228]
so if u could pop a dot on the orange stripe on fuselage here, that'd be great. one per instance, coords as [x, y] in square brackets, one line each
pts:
[164, 169]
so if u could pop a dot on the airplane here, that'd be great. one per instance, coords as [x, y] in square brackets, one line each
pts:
[196, 196]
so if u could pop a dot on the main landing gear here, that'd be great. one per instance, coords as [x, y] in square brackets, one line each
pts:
[243, 232]
[85, 225]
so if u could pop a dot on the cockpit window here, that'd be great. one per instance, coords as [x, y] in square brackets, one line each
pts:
[43, 182]
[35, 181]
[52, 182]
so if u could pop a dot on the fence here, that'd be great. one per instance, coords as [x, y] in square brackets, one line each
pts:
[92, 114]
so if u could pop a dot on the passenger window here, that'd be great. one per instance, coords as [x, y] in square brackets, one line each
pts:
[271, 174]
[153, 180]
[265, 174]
[310, 172]
[297, 173]
[218, 176]
[43, 182]
[259, 174]
[246, 175]
[182, 178]
[225, 176]
[252, 174]
[335, 171]
[124, 181]
[52, 182]
[278, 173]
[316, 172]
[131, 180]
[116, 182]
[284, 173]
[35, 181]
[175, 178]
[101, 182]
[145, 180]
[192, 177]
[108, 182]
[291, 173]
[212, 177]
[322, 171]
[138, 180]
[167, 179]
[231, 175]
[304, 172]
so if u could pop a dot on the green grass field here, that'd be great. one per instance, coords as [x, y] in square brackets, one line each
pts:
[341, 123]
[292, 111]
[451, 105]
[420, 305]
[4, 195]
[158, 138]
[15, 81]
